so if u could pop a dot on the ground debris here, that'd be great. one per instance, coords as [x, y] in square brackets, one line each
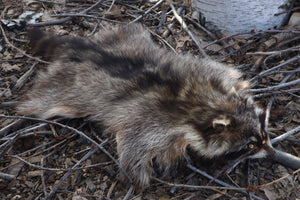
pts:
[42, 158]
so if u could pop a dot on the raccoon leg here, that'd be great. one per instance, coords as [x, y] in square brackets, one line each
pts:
[135, 160]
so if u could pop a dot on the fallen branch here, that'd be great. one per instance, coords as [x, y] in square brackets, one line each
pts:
[285, 135]
[53, 191]
[148, 11]
[275, 87]
[264, 73]
[184, 26]
[5, 176]
[19, 50]
[286, 159]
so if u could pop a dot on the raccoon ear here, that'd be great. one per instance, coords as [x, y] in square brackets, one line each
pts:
[242, 85]
[221, 121]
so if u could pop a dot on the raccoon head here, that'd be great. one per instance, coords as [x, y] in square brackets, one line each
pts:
[223, 121]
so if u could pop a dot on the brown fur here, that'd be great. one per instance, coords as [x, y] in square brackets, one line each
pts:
[156, 102]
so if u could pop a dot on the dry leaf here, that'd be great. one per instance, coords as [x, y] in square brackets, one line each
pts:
[115, 13]
[6, 67]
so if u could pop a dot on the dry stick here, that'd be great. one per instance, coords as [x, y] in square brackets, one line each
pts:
[43, 177]
[184, 26]
[285, 159]
[7, 104]
[201, 186]
[264, 73]
[280, 31]
[129, 192]
[290, 91]
[280, 179]
[287, 11]
[285, 135]
[86, 156]
[24, 130]
[231, 165]
[211, 35]
[285, 72]
[19, 50]
[21, 81]
[109, 9]
[76, 131]
[85, 15]
[61, 169]
[170, 26]
[67, 18]
[282, 85]
[5, 176]
[148, 11]
[292, 49]
[227, 37]
[160, 38]
[13, 126]
[231, 187]
[5, 146]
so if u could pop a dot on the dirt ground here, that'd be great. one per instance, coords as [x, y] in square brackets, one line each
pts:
[45, 160]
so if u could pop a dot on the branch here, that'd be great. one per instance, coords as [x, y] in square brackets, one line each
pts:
[285, 135]
[148, 11]
[219, 181]
[286, 159]
[19, 50]
[275, 87]
[184, 26]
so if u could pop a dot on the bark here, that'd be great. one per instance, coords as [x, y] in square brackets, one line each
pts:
[233, 16]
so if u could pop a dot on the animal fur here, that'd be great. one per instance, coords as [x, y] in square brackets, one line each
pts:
[157, 103]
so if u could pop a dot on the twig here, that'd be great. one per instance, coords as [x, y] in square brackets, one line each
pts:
[287, 11]
[264, 73]
[76, 131]
[280, 179]
[129, 192]
[13, 126]
[5, 176]
[226, 38]
[170, 26]
[279, 31]
[269, 93]
[275, 87]
[220, 182]
[65, 19]
[163, 41]
[211, 35]
[7, 104]
[48, 23]
[55, 188]
[184, 26]
[24, 130]
[285, 159]
[148, 11]
[19, 50]
[234, 163]
[59, 170]
[197, 187]
[21, 81]
[85, 15]
[293, 49]
[268, 111]
[109, 9]
[285, 135]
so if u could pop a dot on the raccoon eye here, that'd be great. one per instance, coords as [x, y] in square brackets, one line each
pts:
[218, 128]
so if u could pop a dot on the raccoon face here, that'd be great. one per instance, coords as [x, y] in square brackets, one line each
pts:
[232, 125]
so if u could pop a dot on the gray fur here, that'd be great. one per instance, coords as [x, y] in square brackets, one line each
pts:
[157, 103]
